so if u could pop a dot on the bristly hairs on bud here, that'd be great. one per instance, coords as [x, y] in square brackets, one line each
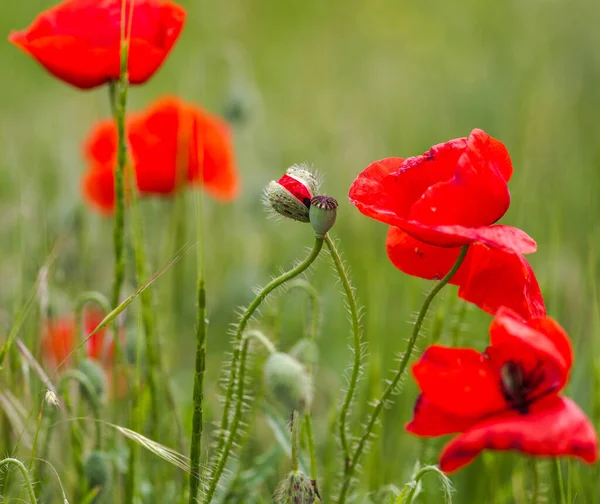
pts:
[288, 383]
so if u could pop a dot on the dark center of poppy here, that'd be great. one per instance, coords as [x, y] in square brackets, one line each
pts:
[519, 386]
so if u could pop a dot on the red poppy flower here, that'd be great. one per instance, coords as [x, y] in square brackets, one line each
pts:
[60, 338]
[171, 143]
[447, 198]
[506, 398]
[78, 41]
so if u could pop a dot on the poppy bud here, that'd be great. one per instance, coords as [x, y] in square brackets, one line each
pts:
[322, 214]
[296, 488]
[291, 195]
[98, 472]
[95, 374]
[287, 382]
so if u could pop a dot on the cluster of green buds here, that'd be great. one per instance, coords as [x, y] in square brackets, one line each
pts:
[295, 196]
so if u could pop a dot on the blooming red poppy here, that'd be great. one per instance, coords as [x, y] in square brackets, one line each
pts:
[506, 398]
[60, 338]
[78, 41]
[449, 197]
[171, 144]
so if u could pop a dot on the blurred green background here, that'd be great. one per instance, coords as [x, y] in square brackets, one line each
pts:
[336, 84]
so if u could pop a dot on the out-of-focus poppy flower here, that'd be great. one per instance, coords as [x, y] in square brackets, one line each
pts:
[506, 398]
[78, 41]
[171, 144]
[450, 197]
[60, 338]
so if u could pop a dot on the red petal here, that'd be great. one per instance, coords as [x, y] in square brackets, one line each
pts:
[488, 278]
[78, 41]
[554, 427]
[497, 278]
[459, 381]
[429, 420]
[98, 187]
[368, 194]
[535, 343]
[475, 195]
[59, 338]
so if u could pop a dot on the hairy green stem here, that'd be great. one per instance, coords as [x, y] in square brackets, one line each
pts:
[311, 446]
[295, 441]
[351, 300]
[399, 373]
[21, 467]
[248, 313]
[201, 329]
[561, 485]
[535, 481]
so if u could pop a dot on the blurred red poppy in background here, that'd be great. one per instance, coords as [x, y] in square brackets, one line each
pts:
[60, 338]
[505, 398]
[171, 144]
[449, 197]
[78, 41]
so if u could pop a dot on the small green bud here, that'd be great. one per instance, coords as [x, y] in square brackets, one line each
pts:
[95, 375]
[296, 488]
[322, 214]
[291, 195]
[288, 383]
[98, 473]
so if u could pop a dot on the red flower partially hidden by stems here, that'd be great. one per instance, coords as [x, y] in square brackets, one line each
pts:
[171, 144]
[449, 197]
[78, 41]
[506, 398]
[60, 338]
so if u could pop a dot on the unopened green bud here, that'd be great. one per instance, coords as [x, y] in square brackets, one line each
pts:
[322, 214]
[95, 374]
[296, 488]
[288, 383]
[98, 473]
[291, 195]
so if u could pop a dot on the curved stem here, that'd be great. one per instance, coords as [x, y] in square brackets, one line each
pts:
[399, 373]
[21, 467]
[351, 300]
[224, 454]
[313, 295]
[241, 326]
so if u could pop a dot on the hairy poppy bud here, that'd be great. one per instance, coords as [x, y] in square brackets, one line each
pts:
[291, 195]
[287, 382]
[98, 472]
[322, 214]
[95, 374]
[296, 488]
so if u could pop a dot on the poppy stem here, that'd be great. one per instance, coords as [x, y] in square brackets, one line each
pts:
[21, 467]
[201, 329]
[534, 481]
[295, 440]
[357, 348]
[236, 377]
[393, 384]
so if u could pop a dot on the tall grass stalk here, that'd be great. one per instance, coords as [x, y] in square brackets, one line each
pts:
[391, 387]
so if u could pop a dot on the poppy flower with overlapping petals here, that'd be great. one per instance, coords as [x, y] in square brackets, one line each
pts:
[60, 337]
[449, 197]
[506, 398]
[78, 41]
[171, 144]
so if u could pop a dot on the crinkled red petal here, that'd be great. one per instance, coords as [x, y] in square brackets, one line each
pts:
[555, 426]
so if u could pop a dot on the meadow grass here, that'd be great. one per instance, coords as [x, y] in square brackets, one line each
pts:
[336, 84]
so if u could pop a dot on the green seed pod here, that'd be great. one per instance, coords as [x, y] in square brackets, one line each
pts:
[322, 214]
[98, 472]
[288, 383]
[291, 195]
[305, 351]
[95, 375]
[296, 488]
